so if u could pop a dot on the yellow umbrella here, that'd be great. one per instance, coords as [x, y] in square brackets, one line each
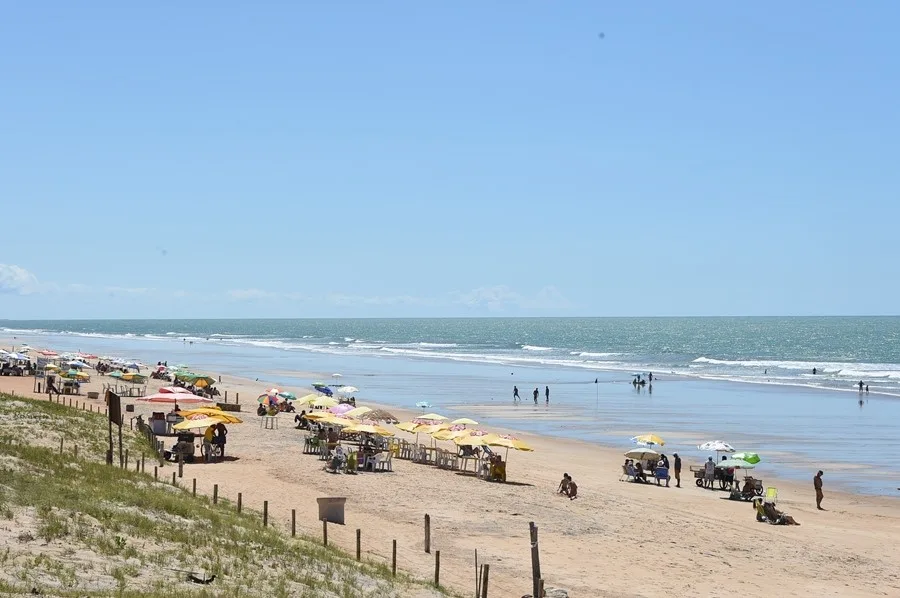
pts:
[505, 441]
[201, 383]
[82, 376]
[211, 411]
[316, 415]
[464, 421]
[331, 418]
[469, 440]
[407, 426]
[446, 434]
[431, 417]
[430, 428]
[51, 367]
[368, 429]
[359, 411]
[648, 439]
[205, 422]
[324, 402]
[307, 400]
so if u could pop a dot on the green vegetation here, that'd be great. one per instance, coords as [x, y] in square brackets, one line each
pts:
[77, 527]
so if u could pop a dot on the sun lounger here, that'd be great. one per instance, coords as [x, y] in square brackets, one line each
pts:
[771, 495]
[626, 474]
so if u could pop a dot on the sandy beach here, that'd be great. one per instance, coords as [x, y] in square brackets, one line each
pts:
[616, 539]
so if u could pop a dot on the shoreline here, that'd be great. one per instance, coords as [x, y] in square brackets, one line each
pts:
[613, 522]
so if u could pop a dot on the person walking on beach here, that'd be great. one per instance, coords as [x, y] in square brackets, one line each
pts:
[516, 394]
[547, 394]
[817, 484]
[860, 385]
[677, 470]
[710, 472]
[536, 393]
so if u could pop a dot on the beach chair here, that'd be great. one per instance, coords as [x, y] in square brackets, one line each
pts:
[771, 495]
[626, 474]
[662, 473]
[383, 462]
[760, 511]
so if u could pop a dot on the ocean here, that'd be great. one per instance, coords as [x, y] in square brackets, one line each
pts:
[747, 381]
[777, 350]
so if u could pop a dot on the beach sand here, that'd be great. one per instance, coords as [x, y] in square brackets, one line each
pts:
[616, 539]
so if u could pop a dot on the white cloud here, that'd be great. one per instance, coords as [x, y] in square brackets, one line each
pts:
[500, 297]
[128, 290]
[18, 281]
[351, 300]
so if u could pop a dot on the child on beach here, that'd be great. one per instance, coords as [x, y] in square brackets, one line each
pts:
[564, 485]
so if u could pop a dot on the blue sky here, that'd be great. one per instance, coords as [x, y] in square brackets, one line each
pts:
[290, 159]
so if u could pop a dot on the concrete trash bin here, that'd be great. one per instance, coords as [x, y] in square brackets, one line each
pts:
[332, 509]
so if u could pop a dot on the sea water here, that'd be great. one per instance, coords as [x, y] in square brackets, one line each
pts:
[747, 381]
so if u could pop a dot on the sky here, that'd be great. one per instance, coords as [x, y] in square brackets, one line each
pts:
[393, 159]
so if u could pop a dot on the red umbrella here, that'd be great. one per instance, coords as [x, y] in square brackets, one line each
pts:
[174, 398]
[174, 390]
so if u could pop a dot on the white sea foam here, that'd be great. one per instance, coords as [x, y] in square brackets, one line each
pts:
[536, 348]
[438, 345]
[597, 355]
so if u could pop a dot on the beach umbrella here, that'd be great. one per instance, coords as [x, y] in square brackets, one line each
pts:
[746, 457]
[380, 415]
[85, 355]
[307, 400]
[368, 429]
[347, 390]
[172, 398]
[323, 389]
[357, 412]
[407, 426]
[341, 409]
[464, 421]
[134, 378]
[423, 405]
[287, 396]
[116, 374]
[77, 364]
[648, 439]
[735, 464]
[324, 402]
[51, 368]
[205, 422]
[201, 411]
[450, 434]
[430, 418]
[332, 419]
[133, 365]
[173, 389]
[642, 454]
[46, 353]
[717, 446]
[505, 440]
[469, 440]
[430, 428]
[336, 376]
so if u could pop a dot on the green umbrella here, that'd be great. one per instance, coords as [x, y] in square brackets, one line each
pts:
[116, 374]
[289, 396]
[748, 457]
[735, 464]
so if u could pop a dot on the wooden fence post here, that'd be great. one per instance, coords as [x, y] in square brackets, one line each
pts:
[437, 567]
[535, 560]
[394, 559]
[358, 544]
[194, 487]
[237, 398]
[215, 494]
[484, 580]
[427, 532]
[126, 459]
[293, 522]
[143, 463]
[173, 478]
[76, 451]
[541, 588]
[325, 532]
[155, 473]
[265, 513]
[180, 464]
[61, 445]
[240, 501]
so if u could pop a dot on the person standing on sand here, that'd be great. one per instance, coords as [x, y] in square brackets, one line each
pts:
[677, 470]
[516, 394]
[817, 484]
[536, 393]
[710, 473]
[547, 394]
[860, 385]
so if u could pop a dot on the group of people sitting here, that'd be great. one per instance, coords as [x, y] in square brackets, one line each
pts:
[638, 472]
[347, 460]
[568, 487]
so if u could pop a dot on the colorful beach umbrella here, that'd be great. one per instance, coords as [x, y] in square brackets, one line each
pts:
[287, 396]
[716, 446]
[205, 422]
[341, 409]
[642, 454]
[734, 464]
[430, 418]
[504, 440]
